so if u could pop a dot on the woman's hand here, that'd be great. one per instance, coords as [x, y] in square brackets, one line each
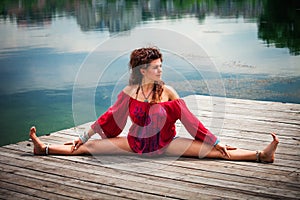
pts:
[75, 144]
[223, 149]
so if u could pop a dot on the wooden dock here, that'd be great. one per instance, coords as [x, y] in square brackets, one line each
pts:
[240, 123]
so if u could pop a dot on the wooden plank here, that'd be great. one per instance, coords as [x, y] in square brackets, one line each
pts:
[67, 157]
[82, 170]
[28, 186]
[237, 108]
[241, 123]
[98, 190]
[254, 110]
[57, 191]
[166, 173]
[10, 194]
[262, 105]
[166, 187]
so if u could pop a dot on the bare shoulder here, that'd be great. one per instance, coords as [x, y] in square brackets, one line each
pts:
[171, 92]
[130, 90]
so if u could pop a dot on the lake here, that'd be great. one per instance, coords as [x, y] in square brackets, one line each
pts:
[62, 62]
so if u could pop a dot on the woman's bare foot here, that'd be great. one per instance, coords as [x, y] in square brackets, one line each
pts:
[39, 147]
[268, 154]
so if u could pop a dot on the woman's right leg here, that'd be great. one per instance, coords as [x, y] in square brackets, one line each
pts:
[194, 148]
[118, 145]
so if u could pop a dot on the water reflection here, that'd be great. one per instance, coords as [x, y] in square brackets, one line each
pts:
[44, 42]
[278, 21]
[279, 25]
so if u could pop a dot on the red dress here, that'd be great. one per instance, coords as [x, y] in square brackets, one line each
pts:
[153, 124]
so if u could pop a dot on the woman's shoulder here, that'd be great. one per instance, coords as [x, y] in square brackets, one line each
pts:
[171, 92]
[130, 90]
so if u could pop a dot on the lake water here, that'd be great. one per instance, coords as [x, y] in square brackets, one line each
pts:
[62, 62]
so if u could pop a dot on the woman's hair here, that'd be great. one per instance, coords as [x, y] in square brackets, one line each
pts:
[141, 59]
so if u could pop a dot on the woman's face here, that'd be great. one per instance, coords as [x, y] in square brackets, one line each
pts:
[153, 71]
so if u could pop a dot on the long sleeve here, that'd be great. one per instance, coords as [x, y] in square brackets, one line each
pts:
[193, 125]
[113, 121]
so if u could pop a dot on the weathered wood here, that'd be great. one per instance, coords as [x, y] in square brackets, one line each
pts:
[10, 194]
[133, 178]
[240, 123]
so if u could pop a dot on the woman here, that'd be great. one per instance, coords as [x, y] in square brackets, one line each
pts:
[153, 108]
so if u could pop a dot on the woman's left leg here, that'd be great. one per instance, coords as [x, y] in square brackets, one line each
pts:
[117, 145]
[194, 148]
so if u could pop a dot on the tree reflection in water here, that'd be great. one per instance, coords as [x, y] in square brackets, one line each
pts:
[279, 24]
[278, 20]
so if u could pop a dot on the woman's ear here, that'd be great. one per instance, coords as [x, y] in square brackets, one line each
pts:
[142, 71]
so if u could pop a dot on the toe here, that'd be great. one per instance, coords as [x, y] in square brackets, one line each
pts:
[33, 129]
[275, 138]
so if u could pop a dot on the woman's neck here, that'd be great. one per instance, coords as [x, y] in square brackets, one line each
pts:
[146, 90]
[147, 87]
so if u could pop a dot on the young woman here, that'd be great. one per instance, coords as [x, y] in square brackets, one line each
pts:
[153, 108]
